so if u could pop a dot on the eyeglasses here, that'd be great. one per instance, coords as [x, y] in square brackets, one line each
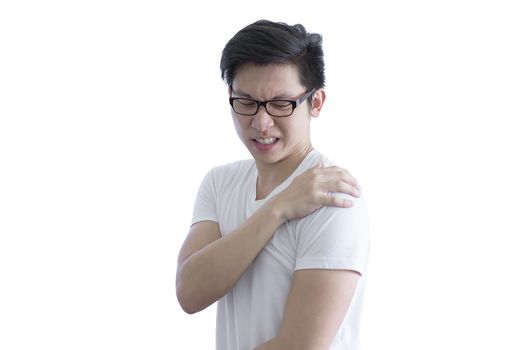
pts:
[275, 108]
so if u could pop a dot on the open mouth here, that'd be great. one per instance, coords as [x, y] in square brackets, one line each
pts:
[267, 141]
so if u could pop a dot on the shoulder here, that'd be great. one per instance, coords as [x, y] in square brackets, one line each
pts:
[316, 157]
[227, 174]
[337, 220]
[342, 219]
[238, 167]
[334, 238]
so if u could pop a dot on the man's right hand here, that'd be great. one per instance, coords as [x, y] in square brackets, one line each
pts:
[313, 189]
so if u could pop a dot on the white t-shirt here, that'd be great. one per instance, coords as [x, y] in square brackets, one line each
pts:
[329, 238]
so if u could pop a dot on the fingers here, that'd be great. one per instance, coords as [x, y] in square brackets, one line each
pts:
[344, 187]
[329, 196]
[335, 171]
[335, 179]
[345, 175]
[337, 201]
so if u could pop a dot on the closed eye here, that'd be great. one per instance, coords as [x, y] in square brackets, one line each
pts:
[280, 104]
[246, 102]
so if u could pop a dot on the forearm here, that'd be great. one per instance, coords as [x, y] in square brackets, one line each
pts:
[212, 271]
[269, 345]
[265, 346]
[280, 344]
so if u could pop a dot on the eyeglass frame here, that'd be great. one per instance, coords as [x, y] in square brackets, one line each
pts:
[294, 104]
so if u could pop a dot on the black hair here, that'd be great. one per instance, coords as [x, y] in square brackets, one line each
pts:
[265, 42]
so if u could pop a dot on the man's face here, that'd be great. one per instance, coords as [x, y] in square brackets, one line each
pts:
[273, 139]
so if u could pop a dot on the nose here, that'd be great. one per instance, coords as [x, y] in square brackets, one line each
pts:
[262, 121]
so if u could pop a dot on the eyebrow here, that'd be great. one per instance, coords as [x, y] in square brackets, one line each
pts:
[243, 94]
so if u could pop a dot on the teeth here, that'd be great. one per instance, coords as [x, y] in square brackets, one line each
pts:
[267, 141]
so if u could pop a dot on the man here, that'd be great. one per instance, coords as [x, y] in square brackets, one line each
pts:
[277, 240]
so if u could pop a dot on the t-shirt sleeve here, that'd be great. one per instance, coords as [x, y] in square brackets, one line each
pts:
[205, 203]
[334, 238]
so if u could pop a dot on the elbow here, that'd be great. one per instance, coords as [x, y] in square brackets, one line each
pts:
[185, 301]
[191, 296]
[183, 295]
[188, 308]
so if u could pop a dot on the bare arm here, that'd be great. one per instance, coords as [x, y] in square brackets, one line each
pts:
[315, 309]
[209, 265]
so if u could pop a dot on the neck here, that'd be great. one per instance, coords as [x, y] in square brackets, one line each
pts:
[272, 175]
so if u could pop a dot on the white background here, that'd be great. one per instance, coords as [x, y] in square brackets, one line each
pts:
[113, 111]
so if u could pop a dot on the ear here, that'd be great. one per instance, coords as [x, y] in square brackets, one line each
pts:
[319, 97]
